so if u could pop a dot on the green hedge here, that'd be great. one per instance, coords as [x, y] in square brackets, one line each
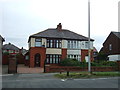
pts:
[69, 62]
[74, 62]
[105, 63]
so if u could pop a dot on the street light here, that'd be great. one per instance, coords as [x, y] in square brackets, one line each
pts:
[89, 62]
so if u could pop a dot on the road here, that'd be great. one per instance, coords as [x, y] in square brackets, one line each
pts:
[47, 80]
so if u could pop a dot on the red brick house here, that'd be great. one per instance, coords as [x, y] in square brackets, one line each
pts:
[55, 44]
[111, 45]
[11, 49]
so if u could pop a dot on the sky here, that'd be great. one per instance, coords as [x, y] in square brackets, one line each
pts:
[21, 18]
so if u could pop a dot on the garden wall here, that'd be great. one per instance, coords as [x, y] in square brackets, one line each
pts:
[5, 60]
[49, 68]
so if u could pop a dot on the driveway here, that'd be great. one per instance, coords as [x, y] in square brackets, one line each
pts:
[21, 68]
[47, 80]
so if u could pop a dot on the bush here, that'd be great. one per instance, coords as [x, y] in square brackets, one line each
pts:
[101, 57]
[69, 62]
[74, 62]
[105, 63]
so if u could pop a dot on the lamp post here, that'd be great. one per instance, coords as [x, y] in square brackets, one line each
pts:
[89, 62]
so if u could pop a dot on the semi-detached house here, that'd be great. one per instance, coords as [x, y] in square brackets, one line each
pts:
[55, 44]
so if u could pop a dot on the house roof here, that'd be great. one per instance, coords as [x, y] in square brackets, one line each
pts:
[60, 33]
[24, 51]
[117, 34]
[10, 47]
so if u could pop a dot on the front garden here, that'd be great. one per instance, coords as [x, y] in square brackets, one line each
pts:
[71, 65]
[99, 69]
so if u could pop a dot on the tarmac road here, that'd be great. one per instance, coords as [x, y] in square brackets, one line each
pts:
[47, 80]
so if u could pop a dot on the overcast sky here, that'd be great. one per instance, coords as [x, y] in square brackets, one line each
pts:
[21, 18]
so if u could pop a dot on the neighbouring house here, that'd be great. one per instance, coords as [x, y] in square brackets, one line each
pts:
[111, 45]
[55, 44]
[11, 49]
[23, 51]
[1, 45]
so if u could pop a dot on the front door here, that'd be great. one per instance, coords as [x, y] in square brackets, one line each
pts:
[37, 60]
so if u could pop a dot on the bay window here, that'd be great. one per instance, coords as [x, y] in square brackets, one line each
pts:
[77, 57]
[53, 58]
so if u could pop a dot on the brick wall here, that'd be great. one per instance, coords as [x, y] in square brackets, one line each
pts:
[49, 68]
[41, 51]
[5, 60]
[20, 59]
[12, 66]
[64, 53]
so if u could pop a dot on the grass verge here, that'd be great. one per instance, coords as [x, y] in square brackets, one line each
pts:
[87, 75]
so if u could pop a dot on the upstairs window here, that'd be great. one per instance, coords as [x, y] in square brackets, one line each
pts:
[110, 47]
[73, 44]
[53, 43]
[38, 42]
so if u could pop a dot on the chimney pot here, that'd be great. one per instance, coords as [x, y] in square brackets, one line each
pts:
[59, 26]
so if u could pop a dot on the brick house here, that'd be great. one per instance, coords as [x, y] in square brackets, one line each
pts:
[11, 49]
[111, 45]
[55, 44]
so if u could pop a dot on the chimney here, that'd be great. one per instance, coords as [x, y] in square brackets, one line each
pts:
[59, 26]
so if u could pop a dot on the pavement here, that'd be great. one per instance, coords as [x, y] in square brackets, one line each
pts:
[4, 69]
[47, 80]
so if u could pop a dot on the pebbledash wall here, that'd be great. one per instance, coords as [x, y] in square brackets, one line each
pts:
[63, 51]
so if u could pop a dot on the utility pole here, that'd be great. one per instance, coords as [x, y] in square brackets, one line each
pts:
[89, 62]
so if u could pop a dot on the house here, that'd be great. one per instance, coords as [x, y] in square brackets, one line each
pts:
[11, 49]
[55, 44]
[111, 45]
[1, 45]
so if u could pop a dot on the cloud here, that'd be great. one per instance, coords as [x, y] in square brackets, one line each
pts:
[20, 42]
[21, 18]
